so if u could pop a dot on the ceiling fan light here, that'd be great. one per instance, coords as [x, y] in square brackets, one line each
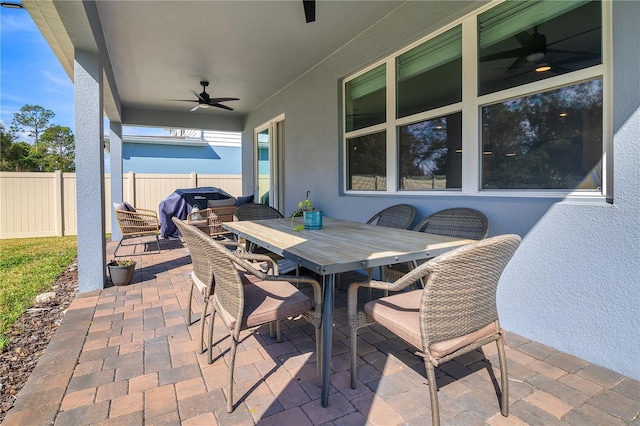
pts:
[543, 68]
[204, 106]
[535, 56]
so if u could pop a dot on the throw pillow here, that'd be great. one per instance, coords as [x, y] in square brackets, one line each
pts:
[244, 200]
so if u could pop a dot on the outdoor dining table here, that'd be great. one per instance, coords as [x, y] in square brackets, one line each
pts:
[340, 246]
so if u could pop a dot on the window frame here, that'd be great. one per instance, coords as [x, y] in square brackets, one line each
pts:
[471, 109]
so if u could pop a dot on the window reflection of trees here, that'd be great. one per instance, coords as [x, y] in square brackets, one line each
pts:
[427, 152]
[549, 140]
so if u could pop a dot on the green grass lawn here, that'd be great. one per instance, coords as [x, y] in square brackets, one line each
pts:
[28, 267]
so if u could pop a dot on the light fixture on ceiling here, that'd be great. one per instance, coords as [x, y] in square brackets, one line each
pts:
[563, 114]
[12, 5]
[543, 68]
[535, 56]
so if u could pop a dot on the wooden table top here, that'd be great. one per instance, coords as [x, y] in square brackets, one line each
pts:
[341, 245]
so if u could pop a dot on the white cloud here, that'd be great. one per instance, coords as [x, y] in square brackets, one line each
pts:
[58, 78]
[17, 22]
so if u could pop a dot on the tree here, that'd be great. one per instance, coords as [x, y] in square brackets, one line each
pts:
[33, 118]
[6, 140]
[58, 149]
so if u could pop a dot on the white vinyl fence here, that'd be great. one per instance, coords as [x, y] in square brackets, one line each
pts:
[44, 204]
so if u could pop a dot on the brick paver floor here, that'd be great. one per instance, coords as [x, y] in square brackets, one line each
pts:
[125, 355]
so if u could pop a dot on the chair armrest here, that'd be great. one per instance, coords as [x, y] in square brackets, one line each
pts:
[405, 281]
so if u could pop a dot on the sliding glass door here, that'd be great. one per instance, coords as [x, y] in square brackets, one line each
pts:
[269, 140]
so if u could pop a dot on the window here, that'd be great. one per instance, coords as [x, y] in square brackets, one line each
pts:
[522, 42]
[367, 162]
[421, 71]
[550, 140]
[525, 113]
[430, 154]
[366, 99]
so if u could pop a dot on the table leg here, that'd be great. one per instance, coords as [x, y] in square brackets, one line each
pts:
[327, 333]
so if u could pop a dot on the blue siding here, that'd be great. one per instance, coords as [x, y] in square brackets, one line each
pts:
[150, 158]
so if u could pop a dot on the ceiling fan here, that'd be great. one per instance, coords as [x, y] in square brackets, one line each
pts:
[205, 101]
[533, 49]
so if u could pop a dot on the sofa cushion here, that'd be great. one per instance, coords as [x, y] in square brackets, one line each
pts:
[226, 202]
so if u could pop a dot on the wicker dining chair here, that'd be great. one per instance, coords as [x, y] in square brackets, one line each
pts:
[454, 314]
[399, 216]
[256, 211]
[459, 222]
[135, 222]
[245, 297]
[202, 274]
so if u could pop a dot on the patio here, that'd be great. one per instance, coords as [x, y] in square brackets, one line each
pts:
[124, 355]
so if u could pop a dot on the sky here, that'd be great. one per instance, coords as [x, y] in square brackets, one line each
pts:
[30, 74]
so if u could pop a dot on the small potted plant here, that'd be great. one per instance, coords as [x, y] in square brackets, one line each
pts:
[121, 271]
[311, 217]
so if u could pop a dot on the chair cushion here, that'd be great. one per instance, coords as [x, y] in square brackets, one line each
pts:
[440, 349]
[400, 314]
[266, 301]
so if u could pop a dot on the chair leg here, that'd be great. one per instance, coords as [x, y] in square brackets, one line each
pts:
[232, 361]
[354, 356]
[504, 378]
[275, 330]
[210, 339]
[205, 306]
[433, 393]
[189, 303]
[115, 252]
[158, 242]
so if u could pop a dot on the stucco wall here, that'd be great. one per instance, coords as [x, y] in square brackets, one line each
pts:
[573, 284]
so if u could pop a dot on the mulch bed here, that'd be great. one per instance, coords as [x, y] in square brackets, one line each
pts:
[30, 337]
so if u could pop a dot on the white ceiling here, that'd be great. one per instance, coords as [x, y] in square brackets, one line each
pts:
[161, 50]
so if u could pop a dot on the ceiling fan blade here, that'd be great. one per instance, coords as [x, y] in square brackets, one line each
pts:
[216, 100]
[197, 95]
[518, 63]
[195, 108]
[183, 100]
[513, 53]
[215, 104]
[309, 10]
